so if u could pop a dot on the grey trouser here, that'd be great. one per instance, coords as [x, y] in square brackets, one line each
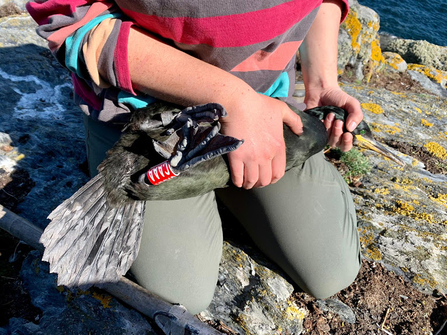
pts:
[305, 222]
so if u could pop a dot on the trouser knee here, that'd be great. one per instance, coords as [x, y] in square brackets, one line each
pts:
[332, 282]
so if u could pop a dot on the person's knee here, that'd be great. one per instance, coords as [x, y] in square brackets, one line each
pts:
[332, 281]
[195, 294]
[196, 303]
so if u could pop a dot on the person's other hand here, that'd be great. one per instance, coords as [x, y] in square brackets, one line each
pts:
[258, 120]
[336, 97]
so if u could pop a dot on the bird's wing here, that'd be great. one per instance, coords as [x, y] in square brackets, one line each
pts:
[88, 241]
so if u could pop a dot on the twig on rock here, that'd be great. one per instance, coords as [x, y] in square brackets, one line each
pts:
[384, 320]
[384, 330]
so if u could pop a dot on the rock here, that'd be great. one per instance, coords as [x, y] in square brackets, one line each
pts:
[250, 298]
[20, 4]
[433, 80]
[36, 94]
[359, 45]
[402, 211]
[337, 307]
[19, 29]
[394, 62]
[417, 52]
[73, 312]
[5, 139]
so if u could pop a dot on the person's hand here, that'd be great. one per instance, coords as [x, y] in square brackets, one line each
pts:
[336, 97]
[258, 120]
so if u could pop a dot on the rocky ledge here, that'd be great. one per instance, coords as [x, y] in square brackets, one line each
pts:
[401, 210]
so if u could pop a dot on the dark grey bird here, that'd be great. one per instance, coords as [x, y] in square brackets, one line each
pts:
[94, 236]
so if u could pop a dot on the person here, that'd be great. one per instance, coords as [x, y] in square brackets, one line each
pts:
[125, 54]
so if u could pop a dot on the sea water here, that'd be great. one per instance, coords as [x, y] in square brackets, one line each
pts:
[412, 19]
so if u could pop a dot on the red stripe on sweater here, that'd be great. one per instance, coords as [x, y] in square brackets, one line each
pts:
[41, 12]
[230, 30]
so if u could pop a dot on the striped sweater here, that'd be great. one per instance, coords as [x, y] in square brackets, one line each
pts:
[256, 41]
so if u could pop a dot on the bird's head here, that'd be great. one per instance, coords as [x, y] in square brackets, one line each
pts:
[363, 137]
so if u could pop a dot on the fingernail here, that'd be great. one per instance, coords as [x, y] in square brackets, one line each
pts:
[352, 125]
[330, 117]
[338, 124]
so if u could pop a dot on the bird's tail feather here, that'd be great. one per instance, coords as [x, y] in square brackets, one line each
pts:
[88, 241]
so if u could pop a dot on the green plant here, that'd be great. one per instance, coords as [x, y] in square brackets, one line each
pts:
[357, 164]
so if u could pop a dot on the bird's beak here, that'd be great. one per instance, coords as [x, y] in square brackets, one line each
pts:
[373, 145]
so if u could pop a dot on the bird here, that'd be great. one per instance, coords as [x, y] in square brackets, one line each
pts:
[165, 152]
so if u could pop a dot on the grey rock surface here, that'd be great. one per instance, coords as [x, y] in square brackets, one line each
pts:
[45, 127]
[428, 84]
[72, 312]
[18, 30]
[250, 298]
[335, 306]
[402, 211]
[19, 3]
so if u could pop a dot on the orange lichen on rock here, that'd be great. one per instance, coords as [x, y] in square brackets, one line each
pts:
[353, 27]
[440, 199]
[436, 75]
[426, 123]
[373, 108]
[376, 52]
[436, 150]
[103, 298]
[406, 209]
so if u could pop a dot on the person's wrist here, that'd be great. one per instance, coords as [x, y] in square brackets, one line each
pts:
[236, 98]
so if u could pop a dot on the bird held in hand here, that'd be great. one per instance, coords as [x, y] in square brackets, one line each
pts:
[94, 236]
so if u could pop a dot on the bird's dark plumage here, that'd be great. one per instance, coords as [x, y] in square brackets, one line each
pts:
[94, 236]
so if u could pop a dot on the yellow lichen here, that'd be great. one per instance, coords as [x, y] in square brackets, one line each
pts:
[368, 243]
[432, 73]
[405, 181]
[426, 123]
[394, 61]
[294, 313]
[418, 279]
[366, 237]
[418, 110]
[436, 150]
[441, 199]
[376, 52]
[382, 191]
[406, 209]
[353, 27]
[377, 127]
[374, 108]
[103, 298]
[374, 254]
[400, 94]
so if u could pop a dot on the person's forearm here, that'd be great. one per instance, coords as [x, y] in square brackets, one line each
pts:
[172, 75]
[318, 51]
